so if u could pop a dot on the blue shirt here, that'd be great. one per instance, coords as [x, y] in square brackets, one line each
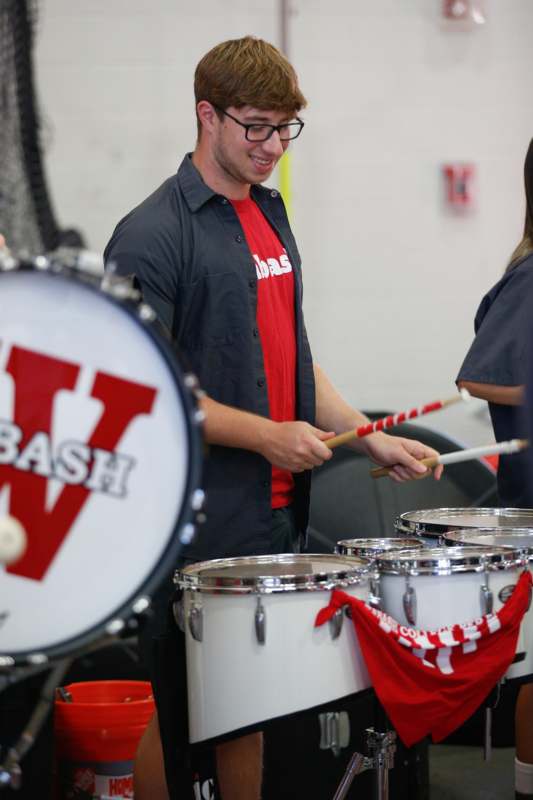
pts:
[498, 356]
[187, 249]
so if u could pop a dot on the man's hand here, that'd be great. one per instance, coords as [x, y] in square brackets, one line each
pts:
[403, 455]
[295, 446]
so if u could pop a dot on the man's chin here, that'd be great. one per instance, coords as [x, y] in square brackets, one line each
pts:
[260, 176]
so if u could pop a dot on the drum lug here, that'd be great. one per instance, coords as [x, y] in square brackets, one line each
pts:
[196, 623]
[122, 288]
[409, 603]
[374, 597]
[334, 731]
[335, 624]
[486, 599]
[260, 622]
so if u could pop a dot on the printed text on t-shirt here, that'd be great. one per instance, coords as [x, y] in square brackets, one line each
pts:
[272, 266]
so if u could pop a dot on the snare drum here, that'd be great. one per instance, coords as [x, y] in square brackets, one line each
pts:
[372, 548]
[431, 524]
[253, 652]
[99, 458]
[444, 586]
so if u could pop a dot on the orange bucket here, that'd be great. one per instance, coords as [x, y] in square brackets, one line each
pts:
[96, 737]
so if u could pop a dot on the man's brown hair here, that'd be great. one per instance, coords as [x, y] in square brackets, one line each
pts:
[248, 71]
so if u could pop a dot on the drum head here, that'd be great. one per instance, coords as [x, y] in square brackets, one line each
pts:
[281, 573]
[370, 548]
[99, 461]
[517, 538]
[441, 520]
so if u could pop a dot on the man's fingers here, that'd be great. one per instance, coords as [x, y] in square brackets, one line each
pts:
[324, 435]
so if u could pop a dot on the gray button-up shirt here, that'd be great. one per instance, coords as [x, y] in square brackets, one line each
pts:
[186, 246]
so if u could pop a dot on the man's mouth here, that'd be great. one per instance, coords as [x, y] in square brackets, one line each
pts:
[262, 163]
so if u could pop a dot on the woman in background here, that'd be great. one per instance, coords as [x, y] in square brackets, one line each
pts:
[495, 370]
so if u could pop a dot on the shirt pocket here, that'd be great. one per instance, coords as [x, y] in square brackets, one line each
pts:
[210, 312]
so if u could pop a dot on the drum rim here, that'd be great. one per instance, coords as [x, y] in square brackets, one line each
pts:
[453, 537]
[124, 617]
[362, 547]
[450, 561]
[190, 579]
[403, 522]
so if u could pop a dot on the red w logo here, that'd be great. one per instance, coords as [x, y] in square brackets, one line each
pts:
[37, 379]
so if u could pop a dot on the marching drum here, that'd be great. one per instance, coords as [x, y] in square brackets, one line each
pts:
[372, 548]
[519, 539]
[431, 524]
[99, 458]
[252, 651]
[443, 586]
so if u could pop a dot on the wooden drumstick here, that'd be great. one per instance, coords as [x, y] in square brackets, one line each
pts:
[395, 419]
[512, 446]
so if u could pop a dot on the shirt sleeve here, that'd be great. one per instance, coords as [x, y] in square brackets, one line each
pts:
[154, 270]
[498, 353]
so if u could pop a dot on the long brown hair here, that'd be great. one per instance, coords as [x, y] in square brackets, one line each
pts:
[525, 246]
[248, 71]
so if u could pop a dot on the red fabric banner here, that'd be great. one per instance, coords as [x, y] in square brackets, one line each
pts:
[429, 682]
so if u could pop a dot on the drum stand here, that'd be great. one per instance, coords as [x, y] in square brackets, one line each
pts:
[10, 772]
[381, 748]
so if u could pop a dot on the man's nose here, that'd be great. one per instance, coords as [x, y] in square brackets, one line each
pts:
[274, 146]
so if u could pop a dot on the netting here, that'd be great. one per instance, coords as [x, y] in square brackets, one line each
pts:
[26, 216]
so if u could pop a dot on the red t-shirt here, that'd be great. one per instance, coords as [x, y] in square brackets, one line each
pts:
[276, 324]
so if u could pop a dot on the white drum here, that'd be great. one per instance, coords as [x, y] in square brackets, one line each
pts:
[372, 548]
[99, 458]
[443, 586]
[430, 524]
[521, 540]
[253, 652]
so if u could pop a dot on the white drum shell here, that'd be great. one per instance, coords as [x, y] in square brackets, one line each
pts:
[444, 600]
[233, 681]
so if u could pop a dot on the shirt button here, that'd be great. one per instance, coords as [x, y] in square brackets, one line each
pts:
[273, 193]
[260, 382]
[224, 201]
[238, 238]
[265, 483]
[252, 284]
[255, 332]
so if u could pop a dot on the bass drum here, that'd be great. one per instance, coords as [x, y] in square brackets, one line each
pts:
[99, 458]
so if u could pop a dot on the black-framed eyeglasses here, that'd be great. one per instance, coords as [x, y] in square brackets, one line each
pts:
[261, 132]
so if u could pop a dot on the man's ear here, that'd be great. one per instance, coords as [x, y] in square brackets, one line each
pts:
[206, 115]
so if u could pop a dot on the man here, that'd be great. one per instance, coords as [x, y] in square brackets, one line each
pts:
[214, 255]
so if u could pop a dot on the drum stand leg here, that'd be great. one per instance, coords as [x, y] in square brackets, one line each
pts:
[487, 743]
[381, 748]
[10, 772]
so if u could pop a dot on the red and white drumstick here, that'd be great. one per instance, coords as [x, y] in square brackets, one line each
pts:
[395, 419]
[500, 448]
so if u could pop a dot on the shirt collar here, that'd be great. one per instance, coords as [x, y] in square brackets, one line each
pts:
[195, 191]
